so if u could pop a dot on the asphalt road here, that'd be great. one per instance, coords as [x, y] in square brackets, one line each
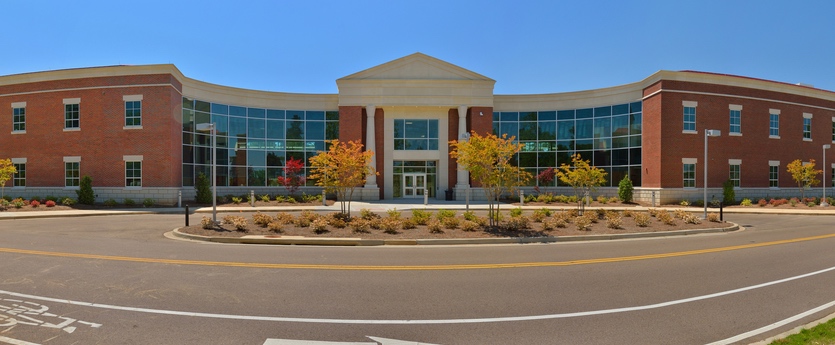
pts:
[118, 280]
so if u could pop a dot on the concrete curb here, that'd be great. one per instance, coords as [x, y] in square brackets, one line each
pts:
[333, 241]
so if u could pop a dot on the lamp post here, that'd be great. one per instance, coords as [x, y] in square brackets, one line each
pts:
[203, 127]
[708, 133]
[823, 200]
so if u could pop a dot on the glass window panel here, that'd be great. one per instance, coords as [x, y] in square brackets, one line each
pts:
[257, 128]
[315, 115]
[257, 176]
[417, 144]
[201, 117]
[203, 139]
[635, 141]
[547, 159]
[188, 138]
[331, 130]
[585, 144]
[275, 114]
[433, 144]
[635, 124]
[237, 176]
[635, 175]
[297, 156]
[510, 128]
[527, 130]
[602, 111]
[399, 128]
[332, 115]
[496, 129]
[565, 145]
[272, 176]
[547, 116]
[222, 109]
[273, 144]
[527, 116]
[565, 115]
[188, 175]
[620, 125]
[202, 155]
[188, 154]
[603, 127]
[315, 130]
[417, 128]
[602, 158]
[188, 120]
[295, 129]
[433, 128]
[222, 156]
[496, 116]
[509, 116]
[620, 109]
[203, 106]
[295, 145]
[634, 156]
[602, 144]
[547, 130]
[620, 142]
[585, 129]
[237, 127]
[585, 113]
[221, 124]
[565, 130]
[399, 144]
[188, 103]
[256, 113]
[620, 157]
[237, 111]
[635, 107]
[275, 129]
[295, 115]
[529, 146]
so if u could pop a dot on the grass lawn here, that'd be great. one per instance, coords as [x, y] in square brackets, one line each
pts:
[823, 334]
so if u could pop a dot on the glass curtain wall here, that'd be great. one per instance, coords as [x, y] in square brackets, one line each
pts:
[253, 144]
[609, 137]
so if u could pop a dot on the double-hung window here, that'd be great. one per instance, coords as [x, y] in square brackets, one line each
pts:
[735, 120]
[133, 171]
[773, 174]
[774, 123]
[734, 171]
[689, 172]
[72, 169]
[19, 177]
[19, 117]
[807, 127]
[133, 110]
[72, 114]
[689, 124]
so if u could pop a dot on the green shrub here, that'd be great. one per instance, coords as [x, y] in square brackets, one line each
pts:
[434, 226]
[515, 212]
[85, 191]
[421, 217]
[236, 200]
[129, 202]
[265, 198]
[450, 223]
[148, 202]
[408, 224]
[728, 194]
[110, 202]
[359, 225]
[516, 223]
[469, 215]
[367, 214]
[203, 188]
[442, 214]
[602, 199]
[467, 225]
[684, 203]
[394, 214]
[68, 201]
[641, 219]
[625, 189]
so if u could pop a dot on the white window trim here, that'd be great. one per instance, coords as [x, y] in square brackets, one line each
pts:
[132, 98]
[72, 159]
[735, 107]
[77, 129]
[689, 161]
[807, 115]
[18, 161]
[693, 161]
[689, 132]
[132, 158]
[19, 105]
[734, 161]
[691, 104]
[739, 163]
[775, 112]
[18, 132]
[774, 163]
[72, 101]
[132, 127]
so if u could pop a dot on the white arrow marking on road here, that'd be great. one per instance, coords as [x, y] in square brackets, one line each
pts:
[385, 341]
[378, 341]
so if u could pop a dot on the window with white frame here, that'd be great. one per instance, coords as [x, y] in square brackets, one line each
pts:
[19, 177]
[807, 126]
[774, 174]
[689, 172]
[133, 110]
[19, 117]
[72, 169]
[733, 173]
[689, 124]
[133, 171]
[833, 129]
[774, 123]
[72, 113]
[735, 120]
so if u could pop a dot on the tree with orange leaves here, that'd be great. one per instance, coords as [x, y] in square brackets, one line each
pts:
[341, 169]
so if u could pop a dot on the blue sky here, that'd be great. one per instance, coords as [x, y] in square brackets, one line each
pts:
[526, 46]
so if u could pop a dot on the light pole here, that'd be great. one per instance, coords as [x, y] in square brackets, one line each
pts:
[708, 133]
[202, 127]
[823, 200]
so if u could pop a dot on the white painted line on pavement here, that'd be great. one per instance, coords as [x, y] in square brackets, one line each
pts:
[420, 322]
[15, 341]
[772, 326]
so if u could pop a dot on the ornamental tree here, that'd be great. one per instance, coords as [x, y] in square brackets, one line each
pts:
[487, 158]
[545, 177]
[341, 169]
[293, 176]
[581, 176]
[7, 171]
[804, 174]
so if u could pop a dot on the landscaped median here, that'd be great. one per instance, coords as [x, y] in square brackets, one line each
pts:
[446, 227]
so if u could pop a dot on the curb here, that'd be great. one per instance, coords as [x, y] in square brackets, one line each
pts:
[333, 241]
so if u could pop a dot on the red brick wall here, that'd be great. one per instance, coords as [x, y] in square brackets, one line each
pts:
[452, 167]
[102, 141]
[480, 121]
[351, 123]
[379, 142]
[651, 145]
[754, 147]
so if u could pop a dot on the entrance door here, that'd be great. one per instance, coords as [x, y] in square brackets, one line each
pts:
[414, 185]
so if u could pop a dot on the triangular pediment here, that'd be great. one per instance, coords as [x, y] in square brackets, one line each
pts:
[416, 66]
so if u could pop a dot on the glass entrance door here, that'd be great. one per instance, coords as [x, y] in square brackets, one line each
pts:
[414, 185]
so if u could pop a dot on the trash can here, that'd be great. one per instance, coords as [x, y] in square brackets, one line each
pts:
[449, 195]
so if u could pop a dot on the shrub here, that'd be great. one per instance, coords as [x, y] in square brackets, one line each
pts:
[516, 223]
[265, 198]
[68, 201]
[762, 202]
[713, 217]
[367, 214]
[728, 194]
[684, 203]
[652, 212]
[302, 222]
[34, 203]
[283, 218]
[390, 225]
[18, 203]
[591, 216]
[129, 202]
[602, 199]
[376, 223]
[261, 219]
[614, 221]
[642, 219]
[434, 226]
[407, 224]
[319, 225]
[625, 189]
[537, 216]
[628, 213]
[444, 214]
[468, 225]
[310, 216]
[420, 217]
[290, 199]
[50, 203]
[50, 198]
[207, 223]
[481, 221]
[236, 200]
[394, 214]
[36, 198]
[549, 224]
[110, 202]
[450, 222]
[691, 219]
[793, 202]
[148, 202]
[85, 191]
[515, 212]
[582, 223]
[679, 213]
[469, 215]
[275, 226]
[238, 222]
[279, 198]
[203, 188]
[665, 217]
[359, 225]
[811, 204]
[746, 202]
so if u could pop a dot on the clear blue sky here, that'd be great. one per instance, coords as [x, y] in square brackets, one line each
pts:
[526, 46]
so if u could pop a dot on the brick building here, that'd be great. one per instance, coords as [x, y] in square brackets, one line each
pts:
[133, 129]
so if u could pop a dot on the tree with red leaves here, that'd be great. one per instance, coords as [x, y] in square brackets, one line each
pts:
[293, 177]
[545, 177]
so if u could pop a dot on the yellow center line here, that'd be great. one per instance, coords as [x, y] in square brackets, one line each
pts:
[412, 267]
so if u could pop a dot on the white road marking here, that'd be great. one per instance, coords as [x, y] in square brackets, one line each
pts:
[772, 326]
[418, 322]
[15, 341]
[377, 341]
[386, 341]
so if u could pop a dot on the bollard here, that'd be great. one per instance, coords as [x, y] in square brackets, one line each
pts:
[186, 215]
[467, 197]
[522, 197]
[179, 198]
[721, 215]
[653, 198]
[252, 198]
[425, 196]
[324, 198]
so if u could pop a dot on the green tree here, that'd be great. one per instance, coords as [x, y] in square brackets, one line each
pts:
[487, 158]
[804, 175]
[728, 194]
[625, 189]
[581, 176]
[7, 171]
[341, 169]
[85, 191]
[203, 189]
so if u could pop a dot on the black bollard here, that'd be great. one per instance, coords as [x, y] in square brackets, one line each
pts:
[721, 214]
[186, 215]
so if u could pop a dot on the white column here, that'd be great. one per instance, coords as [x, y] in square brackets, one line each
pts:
[463, 175]
[370, 145]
